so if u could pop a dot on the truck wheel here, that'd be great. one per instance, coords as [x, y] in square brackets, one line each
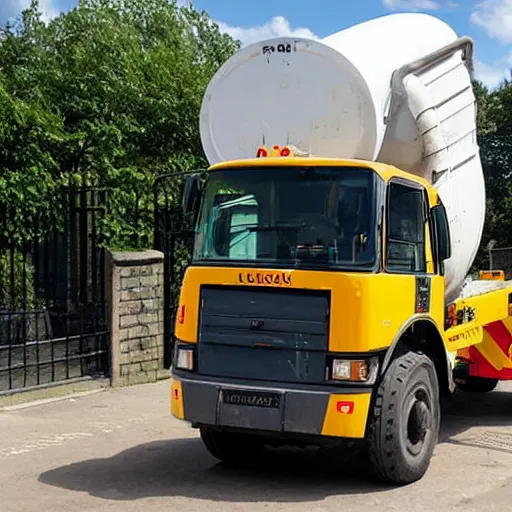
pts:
[404, 426]
[478, 385]
[229, 447]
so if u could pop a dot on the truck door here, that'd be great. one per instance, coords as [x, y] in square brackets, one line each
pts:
[407, 249]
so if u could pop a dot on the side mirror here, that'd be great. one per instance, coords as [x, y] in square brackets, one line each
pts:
[442, 233]
[191, 194]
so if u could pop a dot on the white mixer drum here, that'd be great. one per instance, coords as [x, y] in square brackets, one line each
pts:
[330, 98]
[327, 98]
[288, 91]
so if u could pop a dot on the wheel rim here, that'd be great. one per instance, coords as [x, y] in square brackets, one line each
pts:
[418, 424]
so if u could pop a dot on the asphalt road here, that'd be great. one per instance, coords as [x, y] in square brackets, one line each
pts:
[119, 450]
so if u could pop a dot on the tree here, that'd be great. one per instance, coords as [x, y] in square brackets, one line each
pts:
[487, 104]
[495, 140]
[106, 95]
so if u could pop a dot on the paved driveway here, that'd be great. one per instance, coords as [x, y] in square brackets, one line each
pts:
[119, 450]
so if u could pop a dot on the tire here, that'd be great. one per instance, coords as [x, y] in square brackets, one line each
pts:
[478, 385]
[231, 448]
[404, 424]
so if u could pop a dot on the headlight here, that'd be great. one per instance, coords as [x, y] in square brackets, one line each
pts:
[354, 370]
[183, 357]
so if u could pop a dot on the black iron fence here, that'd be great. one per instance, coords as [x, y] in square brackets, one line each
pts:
[52, 293]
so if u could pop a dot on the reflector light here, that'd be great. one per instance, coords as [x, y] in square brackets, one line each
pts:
[452, 315]
[345, 407]
[181, 314]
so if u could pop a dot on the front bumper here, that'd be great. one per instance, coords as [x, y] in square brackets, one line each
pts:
[315, 411]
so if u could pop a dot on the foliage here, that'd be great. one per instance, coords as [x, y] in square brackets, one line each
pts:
[17, 291]
[495, 140]
[106, 95]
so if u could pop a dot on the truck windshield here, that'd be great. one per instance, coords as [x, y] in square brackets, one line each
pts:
[300, 216]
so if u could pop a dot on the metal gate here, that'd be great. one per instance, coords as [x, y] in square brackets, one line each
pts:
[52, 293]
[500, 258]
[174, 236]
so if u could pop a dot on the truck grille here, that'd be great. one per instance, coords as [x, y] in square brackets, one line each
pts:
[260, 334]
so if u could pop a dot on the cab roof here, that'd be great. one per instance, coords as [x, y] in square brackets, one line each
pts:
[385, 171]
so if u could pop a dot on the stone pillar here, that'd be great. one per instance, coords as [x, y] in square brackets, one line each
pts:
[135, 315]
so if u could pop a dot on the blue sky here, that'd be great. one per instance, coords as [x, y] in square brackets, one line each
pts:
[488, 22]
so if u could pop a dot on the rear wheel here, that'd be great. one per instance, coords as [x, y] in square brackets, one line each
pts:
[230, 447]
[478, 385]
[404, 426]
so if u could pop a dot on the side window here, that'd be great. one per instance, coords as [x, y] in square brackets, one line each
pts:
[405, 229]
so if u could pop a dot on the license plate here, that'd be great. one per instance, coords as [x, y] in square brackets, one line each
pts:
[251, 398]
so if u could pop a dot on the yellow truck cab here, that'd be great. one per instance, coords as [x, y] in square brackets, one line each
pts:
[327, 297]
[314, 307]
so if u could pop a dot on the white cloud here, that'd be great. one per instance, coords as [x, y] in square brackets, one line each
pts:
[276, 27]
[495, 16]
[412, 5]
[12, 8]
[492, 75]
[48, 10]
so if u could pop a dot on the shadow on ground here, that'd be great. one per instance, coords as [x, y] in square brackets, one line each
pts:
[486, 413]
[182, 467]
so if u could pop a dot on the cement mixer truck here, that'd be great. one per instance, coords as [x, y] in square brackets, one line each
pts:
[326, 298]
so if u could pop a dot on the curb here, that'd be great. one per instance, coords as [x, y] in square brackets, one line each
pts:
[51, 392]
[44, 401]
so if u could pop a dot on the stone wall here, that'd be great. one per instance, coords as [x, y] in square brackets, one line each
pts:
[135, 306]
